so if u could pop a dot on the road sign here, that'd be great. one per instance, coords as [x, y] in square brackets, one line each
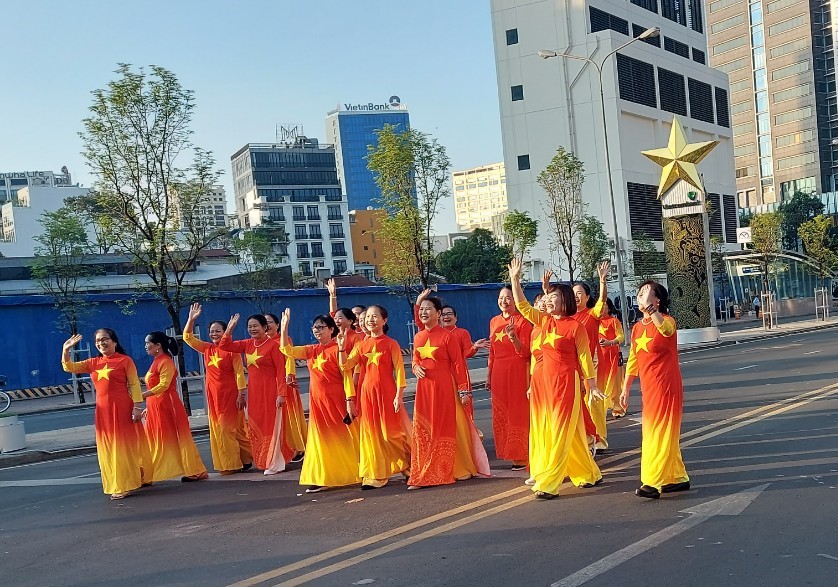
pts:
[743, 235]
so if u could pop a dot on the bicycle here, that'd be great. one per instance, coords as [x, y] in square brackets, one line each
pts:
[5, 400]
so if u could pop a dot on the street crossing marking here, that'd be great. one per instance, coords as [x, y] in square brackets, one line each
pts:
[743, 368]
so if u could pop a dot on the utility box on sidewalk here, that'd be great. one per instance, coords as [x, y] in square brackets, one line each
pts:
[12, 434]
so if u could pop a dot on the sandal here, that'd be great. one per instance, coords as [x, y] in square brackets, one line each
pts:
[198, 477]
[123, 495]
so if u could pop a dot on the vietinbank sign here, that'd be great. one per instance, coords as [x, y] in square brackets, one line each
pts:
[393, 103]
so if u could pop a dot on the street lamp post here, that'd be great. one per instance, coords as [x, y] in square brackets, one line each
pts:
[547, 54]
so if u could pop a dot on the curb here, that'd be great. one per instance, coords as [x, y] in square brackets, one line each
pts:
[752, 338]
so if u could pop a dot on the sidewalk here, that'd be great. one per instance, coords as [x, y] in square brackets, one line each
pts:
[67, 442]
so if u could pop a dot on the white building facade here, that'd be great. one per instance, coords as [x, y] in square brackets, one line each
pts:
[548, 103]
[479, 194]
[294, 187]
[21, 222]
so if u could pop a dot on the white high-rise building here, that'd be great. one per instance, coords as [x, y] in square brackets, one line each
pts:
[21, 218]
[479, 194]
[548, 103]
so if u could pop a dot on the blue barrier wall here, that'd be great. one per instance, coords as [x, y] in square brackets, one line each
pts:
[31, 348]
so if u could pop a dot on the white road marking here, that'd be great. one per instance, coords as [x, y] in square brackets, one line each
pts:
[50, 482]
[743, 368]
[813, 352]
[731, 505]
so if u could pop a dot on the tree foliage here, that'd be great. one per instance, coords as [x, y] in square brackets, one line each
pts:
[593, 246]
[258, 256]
[819, 244]
[137, 133]
[766, 240]
[476, 259]
[411, 169]
[795, 211]
[61, 265]
[90, 207]
[520, 232]
[563, 207]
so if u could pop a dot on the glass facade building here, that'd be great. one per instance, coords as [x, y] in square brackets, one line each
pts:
[352, 132]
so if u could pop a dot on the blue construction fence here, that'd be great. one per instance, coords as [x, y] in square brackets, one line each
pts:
[32, 345]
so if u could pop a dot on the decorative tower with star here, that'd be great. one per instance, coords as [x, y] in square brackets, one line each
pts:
[686, 234]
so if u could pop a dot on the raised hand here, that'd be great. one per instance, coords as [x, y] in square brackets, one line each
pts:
[331, 287]
[423, 296]
[545, 281]
[603, 269]
[341, 340]
[194, 311]
[234, 319]
[71, 342]
[285, 320]
[510, 329]
[514, 268]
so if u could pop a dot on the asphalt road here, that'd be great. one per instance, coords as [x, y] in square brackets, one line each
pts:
[759, 440]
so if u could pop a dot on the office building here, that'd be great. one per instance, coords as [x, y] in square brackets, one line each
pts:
[294, 187]
[11, 182]
[351, 128]
[211, 209]
[779, 55]
[479, 194]
[22, 215]
[367, 252]
[548, 103]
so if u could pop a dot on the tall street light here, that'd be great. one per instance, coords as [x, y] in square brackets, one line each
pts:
[547, 54]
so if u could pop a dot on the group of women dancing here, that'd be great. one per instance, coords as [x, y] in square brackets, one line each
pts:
[554, 369]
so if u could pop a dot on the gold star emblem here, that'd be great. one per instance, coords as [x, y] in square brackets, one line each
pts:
[536, 343]
[373, 356]
[319, 362]
[252, 358]
[426, 351]
[679, 159]
[550, 338]
[643, 342]
[104, 373]
[214, 360]
[603, 330]
[499, 335]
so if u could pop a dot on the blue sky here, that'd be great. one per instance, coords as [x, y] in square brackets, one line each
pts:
[252, 64]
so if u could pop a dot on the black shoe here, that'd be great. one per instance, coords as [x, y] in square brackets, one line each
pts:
[647, 492]
[589, 485]
[247, 467]
[674, 487]
[545, 495]
[368, 487]
[298, 458]
[518, 468]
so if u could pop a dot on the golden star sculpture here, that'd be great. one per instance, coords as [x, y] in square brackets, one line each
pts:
[679, 159]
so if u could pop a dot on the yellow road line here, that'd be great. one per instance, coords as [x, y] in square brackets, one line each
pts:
[735, 423]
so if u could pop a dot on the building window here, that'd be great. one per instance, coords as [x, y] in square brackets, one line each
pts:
[645, 210]
[336, 231]
[734, 65]
[740, 107]
[795, 161]
[299, 213]
[730, 45]
[743, 150]
[699, 56]
[305, 268]
[787, 48]
[722, 109]
[796, 138]
[650, 5]
[636, 30]
[744, 172]
[701, 100]
[517, 93]
[317, 250]
[730, 220]
[302, 250]
[728, 23]
[339, 266]
[276, 214]
[338, 250]
[793, 115]
[794, 92]
[334, 213]
[743, 129]
[672, 92]
[677, 47]
[696, 16]
[523, 162]
[637, 81]
[674, 10]
[313, 213]
[602, 21]
[715, 217]
[512, 37]
[789, 70]
[314, 231]
[804, 184]
[740, 85]
[787, 25]
[722, 4]
[300, 232]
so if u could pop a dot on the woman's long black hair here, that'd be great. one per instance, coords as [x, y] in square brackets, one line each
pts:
[168, 343]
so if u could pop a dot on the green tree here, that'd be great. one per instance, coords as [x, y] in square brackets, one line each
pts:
[818, 244]
[766, 241]
[61, 266]
[797, 210]
[593, 246]
[563, 207]
[137, 132]
[645, 258]
[520, 232]
[411, 169]
[91, 207]
[476, 259]
[258, 254]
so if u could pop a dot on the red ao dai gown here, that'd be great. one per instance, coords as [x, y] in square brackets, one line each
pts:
[593, 410]
[558, 448]
[173, 451]
[446, 445]
[120, 443]
[654, 359]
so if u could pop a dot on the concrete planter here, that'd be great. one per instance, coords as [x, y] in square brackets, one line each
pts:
[12, 434]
